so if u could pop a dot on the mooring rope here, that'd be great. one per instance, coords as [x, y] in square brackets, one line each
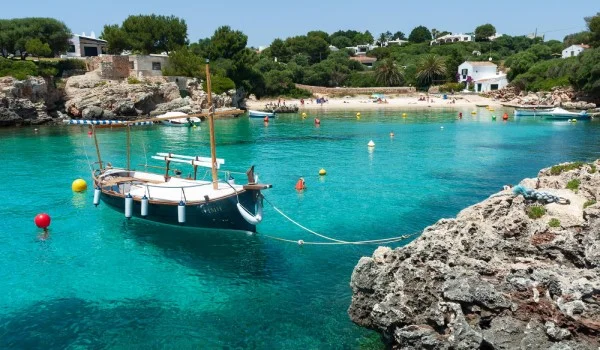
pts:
[333, 240]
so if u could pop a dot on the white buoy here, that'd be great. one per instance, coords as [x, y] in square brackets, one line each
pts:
[128, 205]
[441, 127]
[255, 178]
[181, 212]
[97, 196]
[371, 144]
[144, 210]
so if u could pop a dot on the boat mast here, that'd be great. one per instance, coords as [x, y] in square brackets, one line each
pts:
[97, 148]
[211, 127]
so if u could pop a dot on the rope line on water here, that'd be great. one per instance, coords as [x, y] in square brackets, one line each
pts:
[333, 240]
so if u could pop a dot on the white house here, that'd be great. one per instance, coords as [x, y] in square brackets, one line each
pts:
[485, 76]
[85, 46]
[361, 49]
[452, 38]
[397, 42]
[574, 50]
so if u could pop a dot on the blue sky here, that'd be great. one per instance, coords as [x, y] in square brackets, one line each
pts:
[264, 21]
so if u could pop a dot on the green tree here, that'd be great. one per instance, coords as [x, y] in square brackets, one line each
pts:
[320, 34]
[586, 75]
[484, 32]
[594, 27]
[382, 39]
[399, 35]
[15, 33]
[520, 63]
[278, 82]
[116, 39]
[341, 42]
[430, 69]
[577, 38]
[280, 50]
[226, 43]
[419, 34]
[388, 73]
[154, 33]
[184, 62]
[35, 47]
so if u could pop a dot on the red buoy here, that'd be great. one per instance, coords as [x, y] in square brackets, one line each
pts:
[460, 115]
[90, 133]
[300, 185]
[317, 121]
[505, 116]
[266, 120]
[42, 220]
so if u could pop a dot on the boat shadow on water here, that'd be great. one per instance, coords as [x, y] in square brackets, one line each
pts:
[210, 251]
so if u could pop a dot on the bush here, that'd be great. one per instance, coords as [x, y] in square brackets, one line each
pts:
[219, 84]
[588, 203]
[452, 87]
[536, 211]
[298, 93]
[17, 69]
[554, 222]
[559, 169]
[592, 168]
[573, 185]
[133, 80]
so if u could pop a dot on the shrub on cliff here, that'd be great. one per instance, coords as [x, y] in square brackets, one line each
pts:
[17, 69]
[219, 84]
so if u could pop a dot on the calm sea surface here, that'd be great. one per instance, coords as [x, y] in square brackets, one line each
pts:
[101, 281]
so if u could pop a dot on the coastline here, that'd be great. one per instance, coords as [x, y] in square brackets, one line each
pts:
[364, 102]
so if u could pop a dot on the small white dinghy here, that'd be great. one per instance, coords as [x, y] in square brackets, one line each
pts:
[179, 119]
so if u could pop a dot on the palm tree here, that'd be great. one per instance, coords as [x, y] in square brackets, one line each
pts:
[430, 68]
[387, 73]
[382, 39]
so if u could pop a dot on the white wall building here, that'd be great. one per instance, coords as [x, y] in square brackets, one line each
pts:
[452, 38]
[396, 42]
[574, 50]
[85, 46]
[484, 75]
[361, 49]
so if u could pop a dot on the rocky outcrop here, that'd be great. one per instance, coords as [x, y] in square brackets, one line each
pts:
[558, 96]
[91, 97]
[26, 101]
[493, 278]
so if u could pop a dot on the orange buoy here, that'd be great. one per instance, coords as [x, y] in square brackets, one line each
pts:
[300, 185]
[505, 116]
[317, 121]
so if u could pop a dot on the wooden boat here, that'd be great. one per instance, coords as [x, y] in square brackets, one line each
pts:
[259, 114]
[179, 119]
[171, 198]
[554, 113]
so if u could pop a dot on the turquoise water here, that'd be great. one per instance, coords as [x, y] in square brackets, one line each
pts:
[101, 281]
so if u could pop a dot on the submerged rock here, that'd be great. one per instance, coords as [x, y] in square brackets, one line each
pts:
[493, 277]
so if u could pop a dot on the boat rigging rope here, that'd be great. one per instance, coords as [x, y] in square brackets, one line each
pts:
[333, 240]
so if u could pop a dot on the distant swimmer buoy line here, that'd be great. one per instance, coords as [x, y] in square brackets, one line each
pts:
[332, 241]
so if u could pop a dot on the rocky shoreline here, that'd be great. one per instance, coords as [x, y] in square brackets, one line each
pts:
[564, 97]
[39, 100]
[494, 277]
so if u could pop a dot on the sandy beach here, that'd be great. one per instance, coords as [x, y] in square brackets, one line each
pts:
[362, 102]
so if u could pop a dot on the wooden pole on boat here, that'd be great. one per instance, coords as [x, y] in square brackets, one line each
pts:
[211, 127]
[128, 147]
[97, 148]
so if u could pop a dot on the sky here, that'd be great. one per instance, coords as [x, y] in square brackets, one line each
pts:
[263, 21]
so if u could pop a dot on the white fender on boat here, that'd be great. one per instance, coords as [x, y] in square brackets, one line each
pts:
[144, 210]
[181, 212]
[128, 205]
[251, 219]
[97, 196]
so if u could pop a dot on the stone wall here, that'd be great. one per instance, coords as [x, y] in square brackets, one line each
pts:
[110, 67]
[356, 91]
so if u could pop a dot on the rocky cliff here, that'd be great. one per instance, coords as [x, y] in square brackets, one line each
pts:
[493, 277]
[36, 100]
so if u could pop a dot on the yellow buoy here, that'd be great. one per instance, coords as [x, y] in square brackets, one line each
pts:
[490, 109]
[403, 115]
[303, 115]
[322, 172]
[473, 112]
[358, 115]
[79, 185]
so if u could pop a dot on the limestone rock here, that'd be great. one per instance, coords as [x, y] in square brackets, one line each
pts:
[492, 277]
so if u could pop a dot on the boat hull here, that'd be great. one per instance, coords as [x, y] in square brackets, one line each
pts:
[218, 214]
[259, 114]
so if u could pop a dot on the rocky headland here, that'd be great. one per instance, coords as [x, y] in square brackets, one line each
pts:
[498, 276]
[565, 97]
[39, 100]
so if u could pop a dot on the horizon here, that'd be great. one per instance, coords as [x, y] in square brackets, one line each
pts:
[553, 25]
